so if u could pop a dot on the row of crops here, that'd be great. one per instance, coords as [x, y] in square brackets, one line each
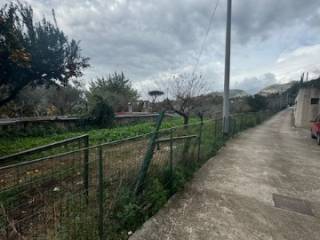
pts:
[13, 144]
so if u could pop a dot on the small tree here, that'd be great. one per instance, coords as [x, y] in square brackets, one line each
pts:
[66, 100]
[29, 102]
[116, 90]
[155, 94]
[102, 113]
[184, 89]
[33, 54]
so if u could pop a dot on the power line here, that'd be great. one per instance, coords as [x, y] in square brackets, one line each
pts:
[213, 13]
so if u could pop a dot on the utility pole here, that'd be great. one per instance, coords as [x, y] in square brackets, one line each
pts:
[226, 101]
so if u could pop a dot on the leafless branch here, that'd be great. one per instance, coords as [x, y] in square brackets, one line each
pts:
[183, 91]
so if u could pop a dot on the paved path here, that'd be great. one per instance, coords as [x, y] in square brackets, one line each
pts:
[231, 196]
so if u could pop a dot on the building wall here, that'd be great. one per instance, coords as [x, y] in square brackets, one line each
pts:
[304, 110]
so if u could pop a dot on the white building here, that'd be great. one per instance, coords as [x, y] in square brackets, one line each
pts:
[307, 104]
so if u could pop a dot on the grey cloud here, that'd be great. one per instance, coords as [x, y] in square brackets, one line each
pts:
[145, 38]
[259, 19]
[253, 85]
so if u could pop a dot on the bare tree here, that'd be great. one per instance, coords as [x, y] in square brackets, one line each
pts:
[184, 89]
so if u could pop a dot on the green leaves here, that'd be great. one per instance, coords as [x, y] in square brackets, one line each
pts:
[116, 90]
[33, 54]
[102, 113]
[37, 137]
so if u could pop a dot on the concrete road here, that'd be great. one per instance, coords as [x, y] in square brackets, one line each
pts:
[231, 196]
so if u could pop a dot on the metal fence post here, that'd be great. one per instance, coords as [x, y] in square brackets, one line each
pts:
[219, 131]
[171, 161]
[215, 132]
[233, 126]
[244, 122]
[86, 168]
[199, 140]
[255, 119]
[100, 195]
[148, 156]
[260, 117]
[237, 124]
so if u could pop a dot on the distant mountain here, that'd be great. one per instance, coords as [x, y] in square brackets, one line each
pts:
[234, 93]
[276, 88]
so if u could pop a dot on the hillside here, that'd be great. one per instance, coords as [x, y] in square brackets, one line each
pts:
[276, 88]
[234, 93]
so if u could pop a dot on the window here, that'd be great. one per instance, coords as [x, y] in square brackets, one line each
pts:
[314, 100]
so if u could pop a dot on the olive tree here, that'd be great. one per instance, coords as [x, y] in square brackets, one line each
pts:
[116, 90]
[34, 53]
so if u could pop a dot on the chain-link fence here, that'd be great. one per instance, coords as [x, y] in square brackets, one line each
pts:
[109, 190]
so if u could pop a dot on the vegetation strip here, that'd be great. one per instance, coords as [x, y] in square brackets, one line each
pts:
[84, 200]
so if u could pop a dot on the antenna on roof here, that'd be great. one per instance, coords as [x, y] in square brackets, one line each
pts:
[301, 79]
[54, 18]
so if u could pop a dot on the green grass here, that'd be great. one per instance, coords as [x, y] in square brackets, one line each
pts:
[13, 144]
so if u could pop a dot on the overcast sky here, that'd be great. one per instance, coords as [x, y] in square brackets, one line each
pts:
[149, 40]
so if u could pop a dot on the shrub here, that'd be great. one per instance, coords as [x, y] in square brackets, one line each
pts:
[102, 113]
[155, 195]
[126, 210]
[257, 103]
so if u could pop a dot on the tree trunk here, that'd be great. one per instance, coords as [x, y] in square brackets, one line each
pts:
[187, 142]
[185, 121]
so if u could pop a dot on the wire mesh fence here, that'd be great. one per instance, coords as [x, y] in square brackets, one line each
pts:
[101, 192]
[46, 150]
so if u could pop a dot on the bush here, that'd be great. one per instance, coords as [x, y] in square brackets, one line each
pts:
[127, 211]
[155, 195]
[102, 113]
[257, 103]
